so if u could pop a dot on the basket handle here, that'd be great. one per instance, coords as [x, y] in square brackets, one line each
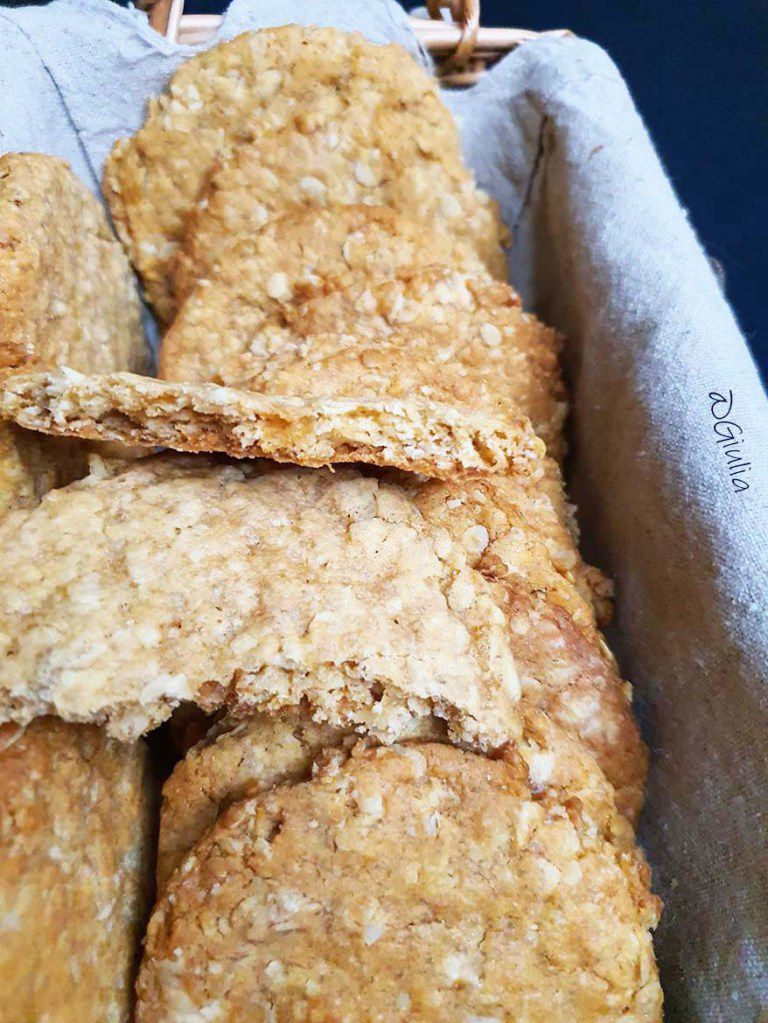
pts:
[159, 12]
[465, 14]
[164, 17]
[461, 49]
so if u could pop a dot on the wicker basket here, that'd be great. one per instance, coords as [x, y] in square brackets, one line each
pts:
[462, 50]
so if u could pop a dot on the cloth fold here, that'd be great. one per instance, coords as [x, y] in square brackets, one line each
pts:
[670, 424]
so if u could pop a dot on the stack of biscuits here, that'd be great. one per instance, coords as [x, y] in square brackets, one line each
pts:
[405, 772]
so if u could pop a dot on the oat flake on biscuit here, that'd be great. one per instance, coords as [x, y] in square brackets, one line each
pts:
[261, 278]
[279, 79]
[67, 293]
[416, 433]
[76, 830]
[185, 579]
[514, 879]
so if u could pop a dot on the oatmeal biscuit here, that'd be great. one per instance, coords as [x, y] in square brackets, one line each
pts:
[435, 331]
[416, 882]
[377, 157]
[258, 278]
[67, 293]
[260, 588]
[240, 757]
[415, 433]
[262, 84]
[237, 758]
[76, 831]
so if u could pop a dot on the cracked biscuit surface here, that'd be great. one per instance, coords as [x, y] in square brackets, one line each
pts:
[260, 277]
[433, 331]
[183, 579]
[76, 828]
[279, 83]
[416, 882]
[235, 759]
[415, 433]
[67, 293]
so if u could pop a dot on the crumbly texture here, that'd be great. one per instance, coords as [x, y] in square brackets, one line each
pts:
[300, 564]
[76, 831]
[259, 277]
[239, 758]
[513, 527]
[237, 584]
[262, 84]
[419, 434]
[67, 293]
[417, 882]
[383, 151]
[433, 331]
[31, 465]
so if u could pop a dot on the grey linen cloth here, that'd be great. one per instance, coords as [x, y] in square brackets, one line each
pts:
[669, 428]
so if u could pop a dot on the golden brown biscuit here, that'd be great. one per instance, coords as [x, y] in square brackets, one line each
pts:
[76, 831]
[260, 588]
[415, 433]
[418, 882]
[67, 297]
[382, 153]
[264, 85]
[67, 293]
[435, 331]
[289, 260]
[234, 584]
[240, 757]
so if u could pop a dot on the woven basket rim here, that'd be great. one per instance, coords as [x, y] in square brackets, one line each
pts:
[461, 47]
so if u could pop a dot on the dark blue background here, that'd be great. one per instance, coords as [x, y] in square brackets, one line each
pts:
[699, 74]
